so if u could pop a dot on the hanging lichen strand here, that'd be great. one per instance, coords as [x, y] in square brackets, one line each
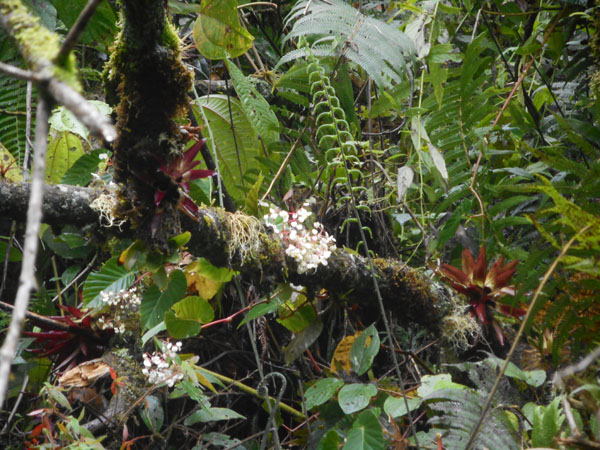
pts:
[147, 80]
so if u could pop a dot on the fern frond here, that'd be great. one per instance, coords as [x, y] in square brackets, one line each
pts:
[258, 111]
[379, 48]
[459, 411]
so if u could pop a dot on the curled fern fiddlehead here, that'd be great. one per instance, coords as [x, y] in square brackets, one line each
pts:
[334, 138]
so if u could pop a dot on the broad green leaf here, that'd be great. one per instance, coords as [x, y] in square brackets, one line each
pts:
[236, 155]
[101, 28]
[80, 173]
[211, 415]
[186, 317]
[303, 340]
[152, 413]
[365, 434]
[218, 33]
[260, 310]
[13, 256]
[62, 153]
[111, 278]
[396, 407]
[356, 396]
[331, 441]
[63, 120]
[321, 391]
[156, 303]
[180, 240]
[294, 319]
[364, 349]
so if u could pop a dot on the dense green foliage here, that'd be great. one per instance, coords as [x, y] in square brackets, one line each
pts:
[411, 131]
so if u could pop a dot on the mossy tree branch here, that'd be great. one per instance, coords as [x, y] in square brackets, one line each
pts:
[219, 237]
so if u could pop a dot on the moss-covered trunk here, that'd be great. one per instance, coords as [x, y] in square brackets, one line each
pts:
[146, 78]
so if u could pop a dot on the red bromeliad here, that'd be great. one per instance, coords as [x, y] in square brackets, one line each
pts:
[181, 171]
[77, 342]
[484, 287]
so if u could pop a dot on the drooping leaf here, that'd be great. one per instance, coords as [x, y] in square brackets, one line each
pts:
[152, 413]
[303, 340]
[235, 142]
[364, 349]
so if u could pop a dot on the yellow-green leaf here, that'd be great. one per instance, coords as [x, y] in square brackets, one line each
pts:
[217, 31]
[62, 153]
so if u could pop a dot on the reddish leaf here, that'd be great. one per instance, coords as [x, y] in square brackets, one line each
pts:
[480, 268]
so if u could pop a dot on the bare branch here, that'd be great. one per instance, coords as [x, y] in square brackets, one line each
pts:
[34, 217]
[20, 74]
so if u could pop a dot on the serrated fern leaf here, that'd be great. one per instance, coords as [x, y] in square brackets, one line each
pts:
[379, 48]
[13, 115]
[258, 111]
[457, 414]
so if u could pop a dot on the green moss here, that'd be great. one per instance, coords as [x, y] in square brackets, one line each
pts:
[38, 45]
[170, 39]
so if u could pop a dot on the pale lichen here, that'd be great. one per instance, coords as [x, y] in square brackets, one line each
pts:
[244, 236]
[106, 204]
[460, 329]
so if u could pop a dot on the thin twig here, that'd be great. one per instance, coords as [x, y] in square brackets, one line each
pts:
[574, 368]
[25, 75]
[13, 229]
[524, 322]
[76, 30]
[27, 130]
[34, 218]
[284, 163]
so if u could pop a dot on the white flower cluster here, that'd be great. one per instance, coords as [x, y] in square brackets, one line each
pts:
[121, 303]
[308, 247]
[160, 367]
